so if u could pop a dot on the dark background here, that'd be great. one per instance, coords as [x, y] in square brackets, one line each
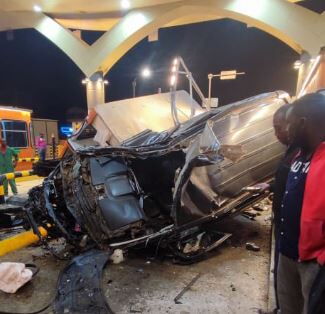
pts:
[35, 74]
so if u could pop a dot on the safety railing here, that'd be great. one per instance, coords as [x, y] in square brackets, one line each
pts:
[10, 176]
[32, 159]
[50, 151]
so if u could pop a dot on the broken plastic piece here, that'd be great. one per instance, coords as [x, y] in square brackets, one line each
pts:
[186, 288]
[117, 256]
[79, 286]
[252, 247]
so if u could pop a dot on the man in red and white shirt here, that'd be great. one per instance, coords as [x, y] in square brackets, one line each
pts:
[302, 215]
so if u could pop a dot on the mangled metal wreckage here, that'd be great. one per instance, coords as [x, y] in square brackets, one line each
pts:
[134, 176]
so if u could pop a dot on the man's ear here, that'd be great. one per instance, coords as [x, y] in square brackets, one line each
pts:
[303, 122]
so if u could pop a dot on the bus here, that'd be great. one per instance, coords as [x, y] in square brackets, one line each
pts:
[15, 126]
[20, 130]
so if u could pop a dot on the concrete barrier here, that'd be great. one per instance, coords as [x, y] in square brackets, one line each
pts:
[20, 241]
[25, 238]
[10, 176]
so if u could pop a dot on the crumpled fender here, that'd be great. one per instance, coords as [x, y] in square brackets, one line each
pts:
[80, 285]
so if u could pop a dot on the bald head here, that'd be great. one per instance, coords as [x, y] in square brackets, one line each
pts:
[306, 121]
[280, 124]
[311, 107]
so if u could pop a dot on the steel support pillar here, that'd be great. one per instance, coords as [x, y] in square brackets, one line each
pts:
[311, 76]
[303, 71]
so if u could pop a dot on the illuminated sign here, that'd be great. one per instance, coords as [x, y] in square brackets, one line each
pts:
[66, 130]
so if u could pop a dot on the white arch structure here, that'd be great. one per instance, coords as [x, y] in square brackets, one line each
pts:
[300, 28]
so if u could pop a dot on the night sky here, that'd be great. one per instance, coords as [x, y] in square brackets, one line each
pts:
[35, 74]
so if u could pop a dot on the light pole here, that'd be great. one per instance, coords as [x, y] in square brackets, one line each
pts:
[179, 67]
[224, 75]
[145, 73]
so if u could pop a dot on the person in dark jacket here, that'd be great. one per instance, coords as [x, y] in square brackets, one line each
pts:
[302, 216]
[278, 185]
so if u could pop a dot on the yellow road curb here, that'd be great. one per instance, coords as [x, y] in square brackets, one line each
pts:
[20, 241]
[30, 178]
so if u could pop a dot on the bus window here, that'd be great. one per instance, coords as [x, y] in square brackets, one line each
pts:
[15, 133]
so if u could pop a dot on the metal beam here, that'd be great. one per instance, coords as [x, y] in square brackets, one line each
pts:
[76, 49]
[300, 28]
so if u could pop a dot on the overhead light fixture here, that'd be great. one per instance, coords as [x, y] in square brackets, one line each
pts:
[100, 80]
[174, 72]
[37, 8]
[146, 73]
[297, 65]
[125, 4]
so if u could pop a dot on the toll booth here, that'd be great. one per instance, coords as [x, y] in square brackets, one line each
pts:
[49, 128]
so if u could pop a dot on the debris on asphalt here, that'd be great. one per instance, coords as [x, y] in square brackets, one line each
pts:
[268, 201]
[83, 241]
[245, 215]
[186, 288]
[40, 255]
[260, 207]
[250, 213]
[232, 287]
[136, 308]
[79, 288]
[252, 247]
[117, 257]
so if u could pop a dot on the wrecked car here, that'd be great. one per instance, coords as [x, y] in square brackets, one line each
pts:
[135, 175]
